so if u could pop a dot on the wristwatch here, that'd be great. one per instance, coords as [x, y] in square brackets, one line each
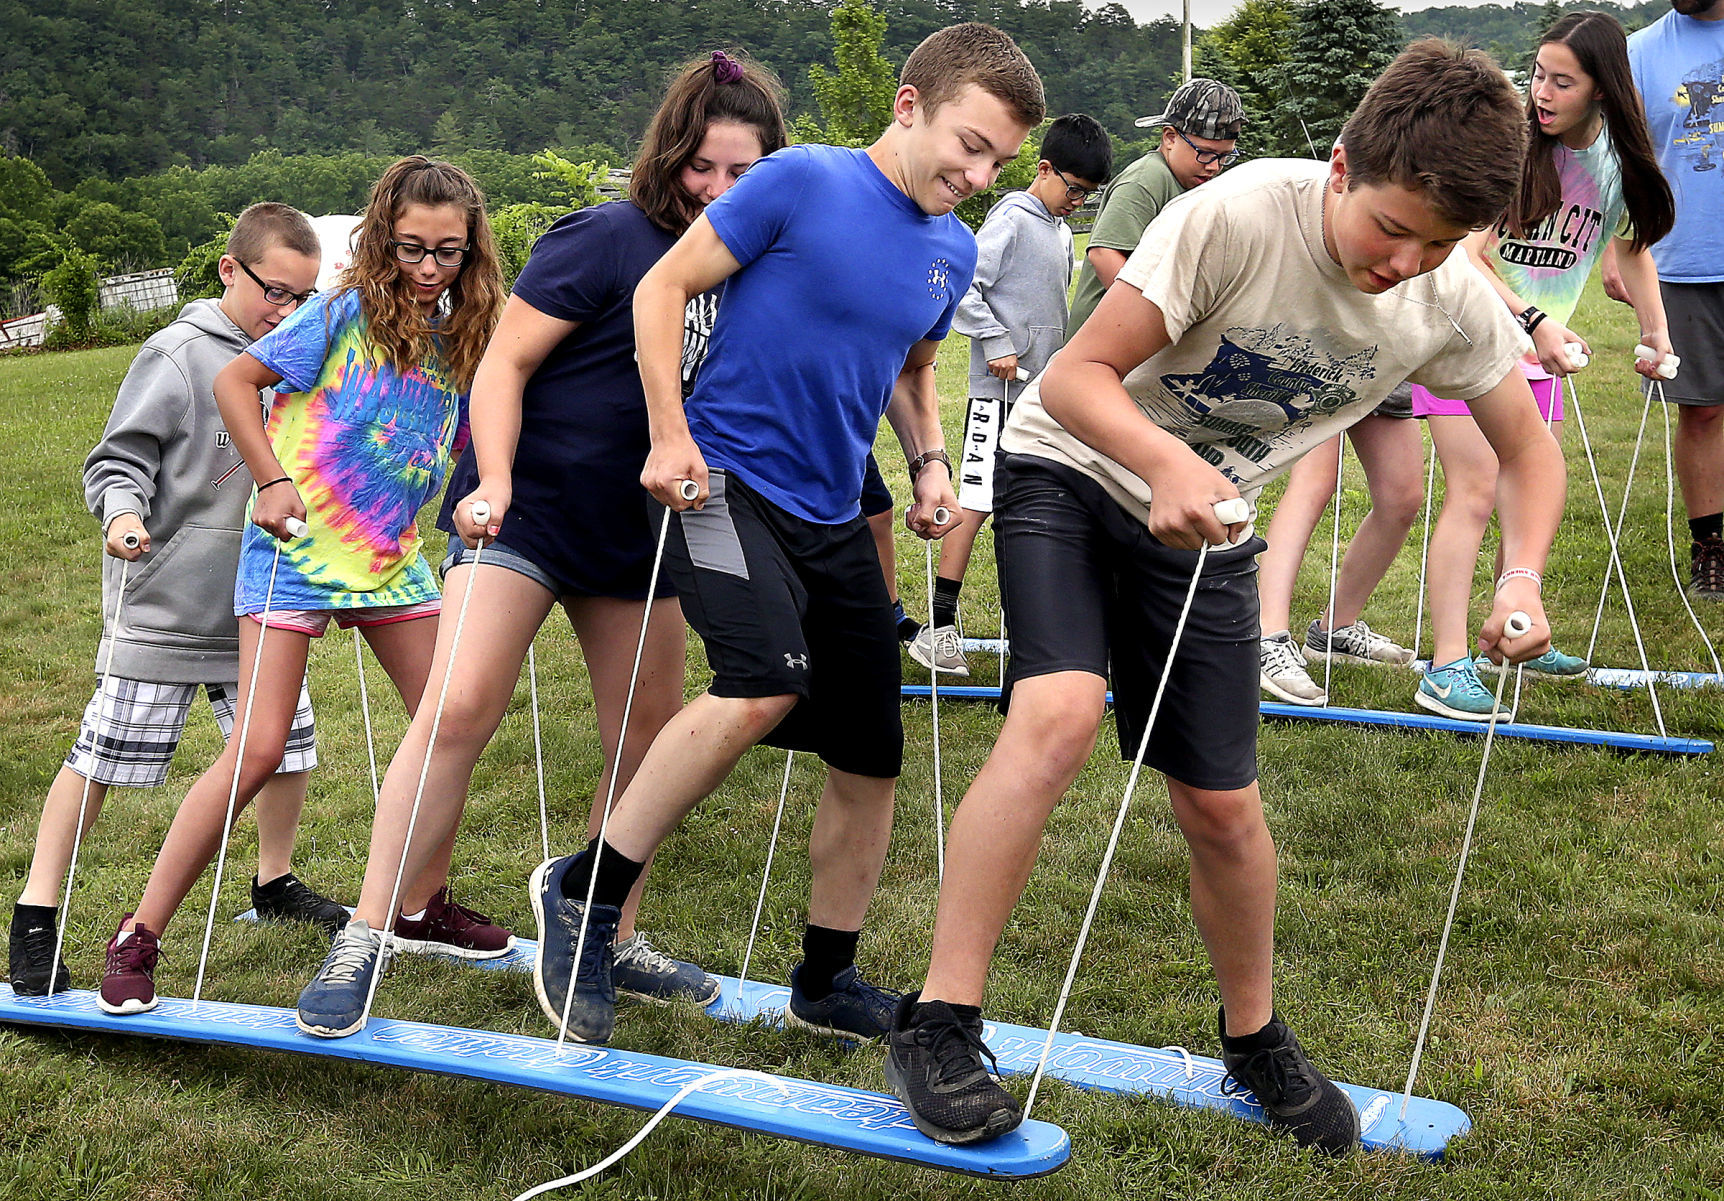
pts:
[937, 455]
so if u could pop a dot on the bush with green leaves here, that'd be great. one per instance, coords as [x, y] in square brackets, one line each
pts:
[72, 287]
[196, 275]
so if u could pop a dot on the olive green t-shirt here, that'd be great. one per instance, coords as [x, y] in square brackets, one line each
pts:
[1128, 204]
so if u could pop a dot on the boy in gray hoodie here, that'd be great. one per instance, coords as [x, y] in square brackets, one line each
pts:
[1015, 317]
[170, 492]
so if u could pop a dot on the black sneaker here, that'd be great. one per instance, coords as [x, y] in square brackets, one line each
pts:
[593, 1011]
[934, 1065]
[1295, 1096]
[289, 899]
[31, 949]
[1706, 567]
[853, 1009]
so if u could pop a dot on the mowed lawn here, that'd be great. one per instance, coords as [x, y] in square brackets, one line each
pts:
[1579, 1021]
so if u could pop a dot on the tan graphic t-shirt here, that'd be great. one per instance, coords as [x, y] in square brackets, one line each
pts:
[1274, 350]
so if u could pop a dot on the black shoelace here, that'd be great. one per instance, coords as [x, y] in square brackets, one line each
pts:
[954, 1046]
[39, 943]
[1284, 1073]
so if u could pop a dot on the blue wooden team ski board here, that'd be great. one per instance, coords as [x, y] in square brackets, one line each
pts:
[824, 1114]
[1104, 1066]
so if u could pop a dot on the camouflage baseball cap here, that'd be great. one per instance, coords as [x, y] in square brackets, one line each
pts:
[1202, 108]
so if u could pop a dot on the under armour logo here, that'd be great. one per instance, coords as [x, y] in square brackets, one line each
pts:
[800, 661]
[223, 439]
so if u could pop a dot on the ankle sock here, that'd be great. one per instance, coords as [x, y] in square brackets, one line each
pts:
[616, 875]
[1278, 636]
[964, 1013]
[272, 884]
[946, 601]
[414, 917]
[1270, 1036]
[1710, 526]
[908, 627]
[26, 915]
[825, 953]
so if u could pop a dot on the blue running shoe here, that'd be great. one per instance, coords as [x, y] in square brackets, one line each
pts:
[642, 971]
[854, 1008]
[593, 1011]
[1552, 663]
[1455, 690]
[333, 1004]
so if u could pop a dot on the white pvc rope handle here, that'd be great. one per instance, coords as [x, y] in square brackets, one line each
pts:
[1666, 368]
[296, 527]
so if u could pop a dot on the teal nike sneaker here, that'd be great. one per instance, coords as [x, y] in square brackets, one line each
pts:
[1455, 690]
[1553, 663]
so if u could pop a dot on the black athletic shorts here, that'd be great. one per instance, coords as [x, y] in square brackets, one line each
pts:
[788, 606]
[876, 496]
[1086, 588]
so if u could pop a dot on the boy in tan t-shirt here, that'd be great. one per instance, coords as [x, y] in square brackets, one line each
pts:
[1260, 315]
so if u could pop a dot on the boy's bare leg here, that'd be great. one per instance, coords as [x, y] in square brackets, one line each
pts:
[956, 547]
[1469, 496]
[1699, 453]
[55, 835]
[609, 631]
[506, 611]
[200, 824]
[847, 847]
[1310, 486]
[881, 527]
[996, 832]
[1392, 454]
[279, 805]
[1232, 895]
[691, 757]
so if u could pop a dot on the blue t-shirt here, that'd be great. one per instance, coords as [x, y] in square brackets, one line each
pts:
[366, 445]
[841, 275]
[578, 508]
[1678, 66]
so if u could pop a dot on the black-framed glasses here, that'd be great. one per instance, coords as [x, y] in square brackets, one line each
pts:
[1073, 192]
[446, 256]
[1225, 157]
[274, 293]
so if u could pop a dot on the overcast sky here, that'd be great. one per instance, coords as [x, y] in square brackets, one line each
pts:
[1211, 12]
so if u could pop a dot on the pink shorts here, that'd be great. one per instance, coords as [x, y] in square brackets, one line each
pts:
[315, 621]
[1547, 391]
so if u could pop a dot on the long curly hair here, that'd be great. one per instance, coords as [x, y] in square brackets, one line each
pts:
[396, 326]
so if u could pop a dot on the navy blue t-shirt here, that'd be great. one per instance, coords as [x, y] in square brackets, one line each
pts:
[578, 509]
[841, 275]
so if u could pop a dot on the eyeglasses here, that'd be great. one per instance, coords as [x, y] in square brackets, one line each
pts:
[446, 256]
[275, 294]
[1225, 157]
[1073, 192]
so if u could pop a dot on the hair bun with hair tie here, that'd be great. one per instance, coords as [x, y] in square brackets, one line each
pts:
[725, 69]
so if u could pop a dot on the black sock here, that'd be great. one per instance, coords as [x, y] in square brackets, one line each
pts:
[28, 915]
[1270, 1036]
[964, 1013]
[267, 886]
[825, 953]
[1710, 526]
[908, 627]
[617, 874]
[946, 601]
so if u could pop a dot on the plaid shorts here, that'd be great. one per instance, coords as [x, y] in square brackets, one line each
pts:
[141, 725]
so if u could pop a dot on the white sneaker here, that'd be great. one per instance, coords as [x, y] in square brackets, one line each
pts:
[941, 649]
[1356, 643]
[1282, 673]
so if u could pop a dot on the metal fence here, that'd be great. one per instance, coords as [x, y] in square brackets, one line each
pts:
[141, 291]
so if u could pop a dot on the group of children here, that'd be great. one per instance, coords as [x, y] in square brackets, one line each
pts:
[1256, 317]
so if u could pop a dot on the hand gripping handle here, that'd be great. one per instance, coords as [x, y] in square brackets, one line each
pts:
[130, 540]
[1577, 356]
[1666, 369]
[480, 514]
[688, 490]
[1517, 625]
[296, 527]
[1232, 512]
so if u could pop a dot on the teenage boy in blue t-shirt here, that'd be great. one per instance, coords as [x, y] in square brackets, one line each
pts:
[842, 270]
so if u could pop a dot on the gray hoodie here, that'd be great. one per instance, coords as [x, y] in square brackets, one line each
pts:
[166, 456]
[1017, 300]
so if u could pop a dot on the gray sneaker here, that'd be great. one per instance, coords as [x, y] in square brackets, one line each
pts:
[1282, 673]
[1356, 643]
[941, 649]
[646, 973]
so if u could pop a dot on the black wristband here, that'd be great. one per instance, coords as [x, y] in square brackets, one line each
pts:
[286, 479]
[1530, 317]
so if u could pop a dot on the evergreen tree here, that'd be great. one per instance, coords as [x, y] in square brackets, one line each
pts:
[1337, 48]
[1249, 53]
[855, 100]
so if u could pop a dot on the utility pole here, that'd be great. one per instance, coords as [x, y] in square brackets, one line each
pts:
[1185, 39]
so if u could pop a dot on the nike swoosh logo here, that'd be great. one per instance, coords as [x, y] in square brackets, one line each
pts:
[1442, 691]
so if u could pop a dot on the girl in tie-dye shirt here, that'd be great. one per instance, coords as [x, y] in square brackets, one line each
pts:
[1590, 177]
[370, 399]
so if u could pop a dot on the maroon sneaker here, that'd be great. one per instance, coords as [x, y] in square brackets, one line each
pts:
[451, 929]
[128, 980]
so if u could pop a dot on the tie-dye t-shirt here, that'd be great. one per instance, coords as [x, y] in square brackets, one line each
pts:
[1550, 265]
[366, 446]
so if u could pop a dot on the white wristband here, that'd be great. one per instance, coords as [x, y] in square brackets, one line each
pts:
[1521, 573]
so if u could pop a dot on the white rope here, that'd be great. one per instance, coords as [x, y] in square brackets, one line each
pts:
[1670, 528]
[934, 713]
[615, 1157]
[1118, 825]
[539, 753]
[480, 515]
[1616, 560]
[131, 540]
[1621, 516]
[365, 710]
[765, 875]
[240, 735]
[1425, 550]
[686, 488]
[1460, 873]
[1334, 563]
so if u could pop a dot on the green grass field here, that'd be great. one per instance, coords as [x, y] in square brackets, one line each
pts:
[1578, 1024]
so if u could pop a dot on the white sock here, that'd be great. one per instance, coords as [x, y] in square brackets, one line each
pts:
[414, 917]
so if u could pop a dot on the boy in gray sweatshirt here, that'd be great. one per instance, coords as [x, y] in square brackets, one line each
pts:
[170, 492]
[1015, 317]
